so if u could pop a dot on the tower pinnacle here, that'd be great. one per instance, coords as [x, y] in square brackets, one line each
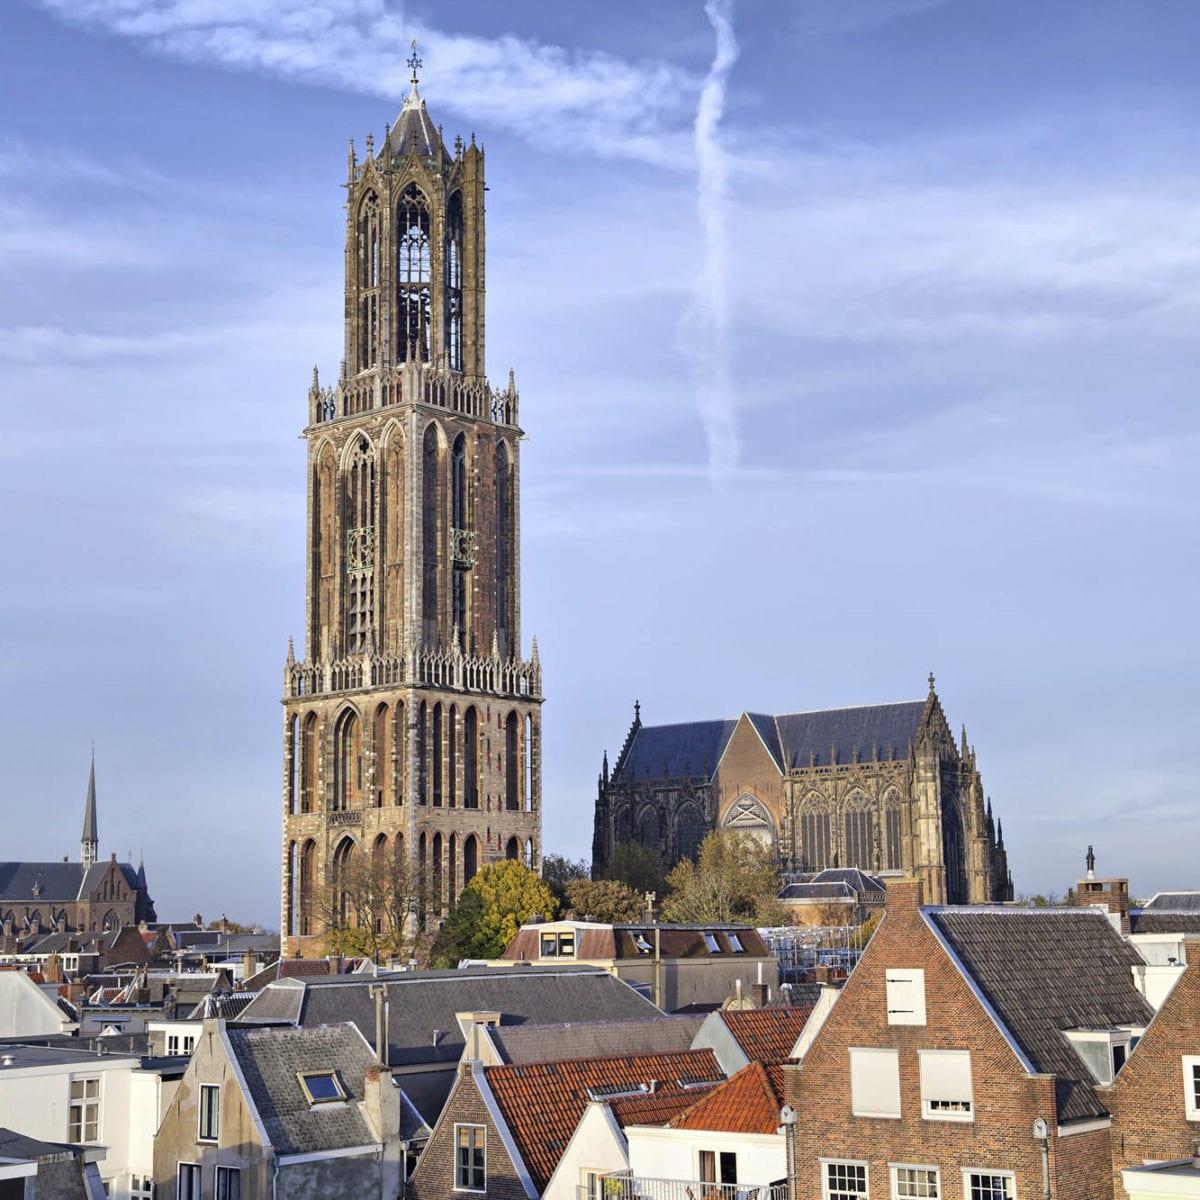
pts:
[89, 843]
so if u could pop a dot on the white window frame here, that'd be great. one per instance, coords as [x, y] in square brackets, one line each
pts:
[840, 1194]
[876, 1059]
[894, 1170]
[992, 1174]
[589, 1180]
[197, 1190]
[81, 1105]
[213, 1122]
[1191, 1086]
[458, 1167]
[927, 1101]
[905, 991]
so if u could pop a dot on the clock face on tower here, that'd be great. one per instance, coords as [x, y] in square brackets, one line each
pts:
[360, 549]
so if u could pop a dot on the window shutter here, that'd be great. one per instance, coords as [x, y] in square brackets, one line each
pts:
[875, 1083]
[905, 996]
[946, 1075]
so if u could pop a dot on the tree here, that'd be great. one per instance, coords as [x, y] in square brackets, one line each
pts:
[607, 900]
[637, 866]
[734, 879]
[365, 908]
[511, 894]
[558, 871]
[460, 936]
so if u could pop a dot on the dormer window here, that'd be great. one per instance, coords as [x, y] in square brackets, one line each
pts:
[322, 1087]
[710, 940]
[1104, 1051]
[559, 944]
[735, 944]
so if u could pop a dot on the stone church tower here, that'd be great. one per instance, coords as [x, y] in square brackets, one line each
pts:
[412, 726]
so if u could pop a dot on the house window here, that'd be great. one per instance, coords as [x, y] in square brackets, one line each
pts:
[322, 1087]
[187, 1186]
[83, 1114]
[844, 1181]
[718, 1166]
[210, 1113]
[1191, 1086]
[229, 1184]
[915, 1183]
[989, 1185]
[905, 997]
[470, 1162]
[946, 1093]
[558, 945]
[592, 1184]
[875, 1083]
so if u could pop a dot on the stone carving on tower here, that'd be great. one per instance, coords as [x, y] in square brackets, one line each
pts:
[412, 725]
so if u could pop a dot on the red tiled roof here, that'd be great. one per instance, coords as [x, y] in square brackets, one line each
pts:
[749, 1102]
[766, 1033]
[292, 967]
[542, 1103]
[651, 1110]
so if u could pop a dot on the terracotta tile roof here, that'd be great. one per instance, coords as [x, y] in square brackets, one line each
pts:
[291, 968]
[542, 1103]
[766, 1033]
[749, 1102]
[651, 1110]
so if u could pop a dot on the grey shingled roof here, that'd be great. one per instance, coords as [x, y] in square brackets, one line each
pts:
[1175, 901]
[55, 881]
[270, 1061]
[692, 748]
[21, 1146]
[595, 1039]
[420, 1002]
[1044, 971]
[793, 739]
[1164, 920]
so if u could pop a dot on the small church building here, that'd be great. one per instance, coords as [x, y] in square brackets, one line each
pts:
[74, 897]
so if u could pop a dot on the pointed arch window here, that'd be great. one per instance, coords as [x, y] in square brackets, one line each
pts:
[430, 507]
[512, 777]
[369, 248]
[815, 836]
[347, 763]
[859, 826]
[453, 286]
[462, 540]
[412, 276]
[360, 509]
[505, 545]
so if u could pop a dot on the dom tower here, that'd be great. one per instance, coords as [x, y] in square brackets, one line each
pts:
[412, 726]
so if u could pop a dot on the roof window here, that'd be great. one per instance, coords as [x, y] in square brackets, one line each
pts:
[322, 1087]
[643, 946]
[710, 940]
[735, 944]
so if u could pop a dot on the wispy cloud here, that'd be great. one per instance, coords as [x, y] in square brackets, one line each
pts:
[566, 99]
[706, 323]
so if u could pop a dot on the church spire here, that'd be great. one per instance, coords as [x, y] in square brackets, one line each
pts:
[89, 844]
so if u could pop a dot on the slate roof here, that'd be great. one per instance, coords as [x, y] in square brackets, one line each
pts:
[57, 881]
[271, 1059]
[793, 740]
[766, 1033]
[20, 1146]
[600, 942]
[1044, 971]
[748, 1102]
[594, 1039]
[420, 1002]
[1175, 901]
[1164, 920]
[542, 1103]
[413, 132]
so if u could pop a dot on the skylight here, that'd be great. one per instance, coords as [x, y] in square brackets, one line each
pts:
[322, 1087]
[710, 940]
[735, 944]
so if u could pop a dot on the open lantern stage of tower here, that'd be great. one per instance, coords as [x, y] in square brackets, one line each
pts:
[412, 726]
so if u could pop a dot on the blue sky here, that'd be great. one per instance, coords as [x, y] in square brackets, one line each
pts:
[856, 338]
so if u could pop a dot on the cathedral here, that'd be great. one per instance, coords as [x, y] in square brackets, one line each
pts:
[412, 737]
[883, 788]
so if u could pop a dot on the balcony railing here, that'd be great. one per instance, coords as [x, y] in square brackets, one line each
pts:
[623, 1186]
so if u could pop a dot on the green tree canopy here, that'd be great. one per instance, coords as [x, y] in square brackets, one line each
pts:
[558, 871]
[461, 935]
[511, 894]
[637, 866]
[607, 900]
[734, 879]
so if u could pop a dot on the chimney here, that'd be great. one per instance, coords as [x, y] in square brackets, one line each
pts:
[760, 993]
[247, 964]
[381, 1102]
[904, 895]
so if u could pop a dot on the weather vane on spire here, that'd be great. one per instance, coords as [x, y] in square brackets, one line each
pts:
[414, 62]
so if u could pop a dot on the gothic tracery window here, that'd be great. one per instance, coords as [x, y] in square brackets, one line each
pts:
[859, 833]
[369, 247]
[460, 536]
[815, 834]
[505, 541]
[412, 276]
[453, 285]
[430, 507]
[360, 511]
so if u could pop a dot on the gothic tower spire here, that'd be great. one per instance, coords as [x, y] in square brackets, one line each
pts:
[412, 730]
[89, 845]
